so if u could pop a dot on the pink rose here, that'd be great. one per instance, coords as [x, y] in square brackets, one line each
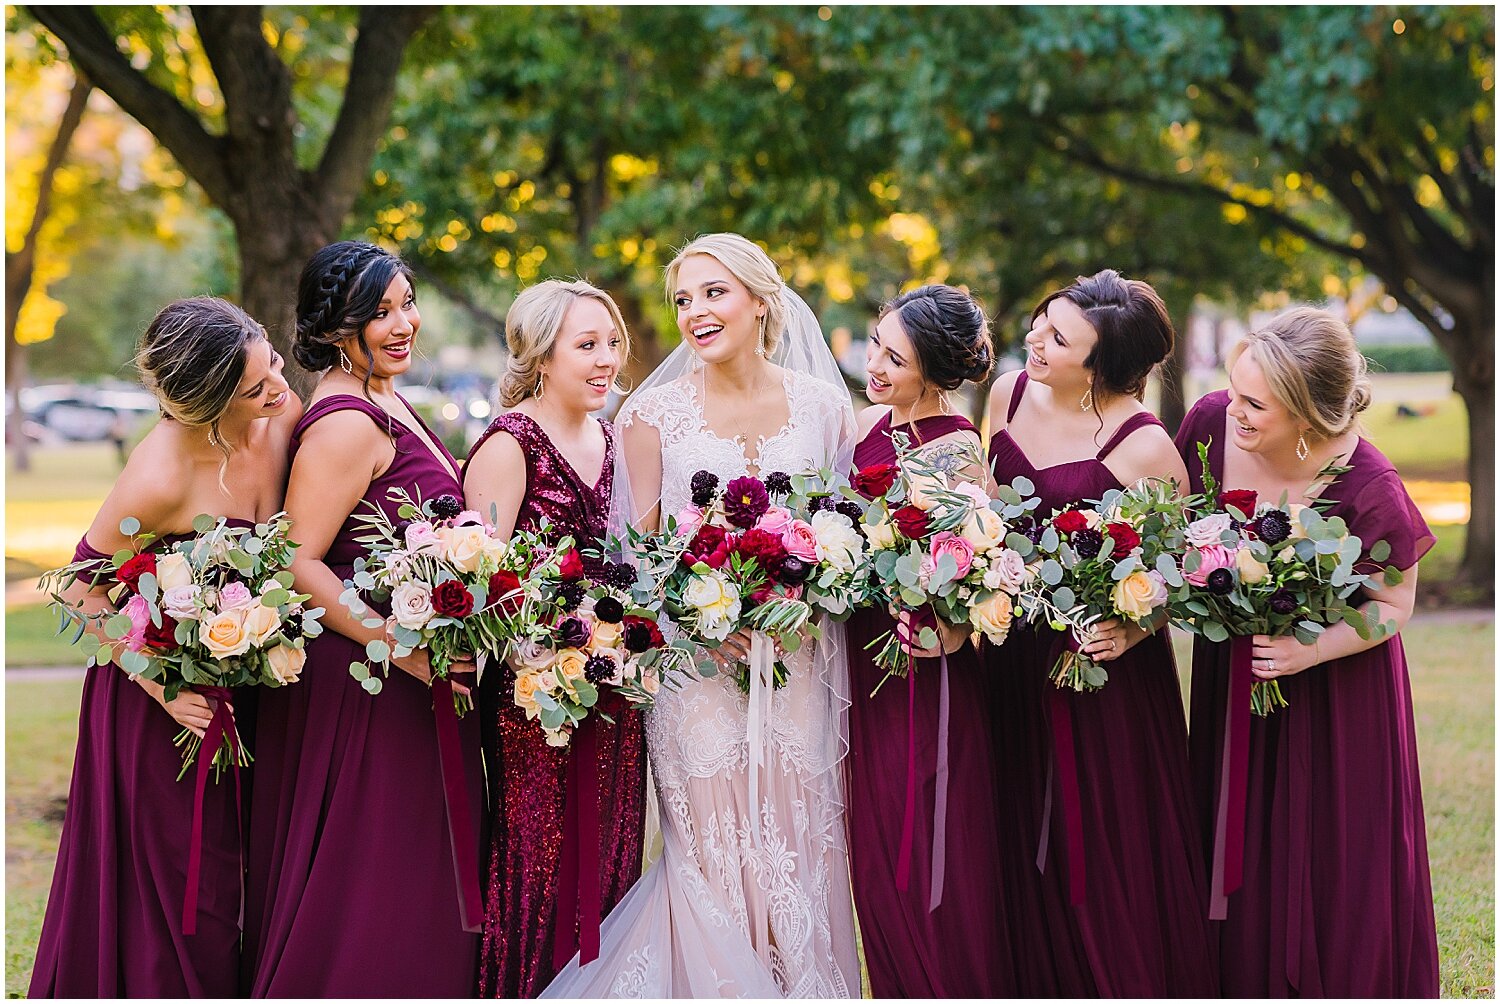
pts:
[776, 521]
[801, 541]
[421, 538]
[140, 619]
[1215, 556]
[234, 596]
[955, 546]
[689, 519]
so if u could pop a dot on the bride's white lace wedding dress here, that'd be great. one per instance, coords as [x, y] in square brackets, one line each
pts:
[746, 900]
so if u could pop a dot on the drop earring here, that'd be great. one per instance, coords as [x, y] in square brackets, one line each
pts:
[1302, 451]
[760, 348]
[345, 364]
[1087, 401]
[539, 389]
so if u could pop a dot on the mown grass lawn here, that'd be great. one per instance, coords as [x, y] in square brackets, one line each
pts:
[1452, 684]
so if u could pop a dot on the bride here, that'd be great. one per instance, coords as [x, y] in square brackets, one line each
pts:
[751, 895]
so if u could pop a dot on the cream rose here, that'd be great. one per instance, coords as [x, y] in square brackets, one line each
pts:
[411, 605]
[1251, 569]
[261, 622]
[992, 616]
[526, 687]
[285, 662]
[224, 634]
[882, 535]
[463, 546]
[1299, 532]
[173, 571]
[605, 638]
[649, 682]
[569, 666]
[717, 601]
[1138, 594]
[984, 529]
[920, 488]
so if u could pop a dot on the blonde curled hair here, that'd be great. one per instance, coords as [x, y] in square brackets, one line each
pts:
[1314, 368]
[531, 328]
[749, 264]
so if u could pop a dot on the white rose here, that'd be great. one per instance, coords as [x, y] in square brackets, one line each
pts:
[173, 571]
[984, 529]
[181, 602]
[1008, 572]
[285, 662]
[411, 604]
[1093, 518]
[839, 544]
[882, 535]
[1209, 530]
[717, 601]
[1251, 569]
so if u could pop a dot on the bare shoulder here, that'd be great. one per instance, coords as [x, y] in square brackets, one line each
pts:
[148, 489]
[500, 452]
[1147, 452]
[1000, 392]
[870, 417]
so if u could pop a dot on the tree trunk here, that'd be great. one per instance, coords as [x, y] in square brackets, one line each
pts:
[1478, 567]
[269, 269]
[21, 266]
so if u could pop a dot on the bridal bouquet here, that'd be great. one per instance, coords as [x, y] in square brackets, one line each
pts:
[440, 569]
[939, 541]
[1253, 568]
[1111, 560]
[578, 645]
[753, 554]
[212, 612]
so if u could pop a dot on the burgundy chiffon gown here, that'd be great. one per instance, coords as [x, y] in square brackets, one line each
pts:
[961, 948]
[351, 889]
[1337, 897]
[1142, 927]
[113, 926]
[528, 779]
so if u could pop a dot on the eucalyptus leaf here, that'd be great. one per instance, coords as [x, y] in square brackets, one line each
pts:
[372, 684]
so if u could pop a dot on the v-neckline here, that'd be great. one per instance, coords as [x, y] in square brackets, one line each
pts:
[1321, 497]
[445, 459]
[761, 442]
[577, 476]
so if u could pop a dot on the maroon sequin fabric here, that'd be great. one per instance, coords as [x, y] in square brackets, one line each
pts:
[526, 776]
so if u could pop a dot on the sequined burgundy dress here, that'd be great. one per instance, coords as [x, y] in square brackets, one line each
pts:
[527, 778]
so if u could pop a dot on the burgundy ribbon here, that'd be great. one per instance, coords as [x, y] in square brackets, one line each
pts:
[1234, 766]
[462, 840]
[1063, 772]
[579, 897]
[219, 726]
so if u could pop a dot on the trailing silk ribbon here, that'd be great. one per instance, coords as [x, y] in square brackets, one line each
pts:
[1062, 769]
[938, 864]
[462, 840]
[579, 896]
[1229, 819]
[758, 721]
[220, 726]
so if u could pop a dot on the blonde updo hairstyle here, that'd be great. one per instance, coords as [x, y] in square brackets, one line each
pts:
[1314, 368]
[531, 328]
[751, 266]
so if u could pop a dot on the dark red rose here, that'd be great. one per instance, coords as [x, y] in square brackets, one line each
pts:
[766, 548]
[130, 573]
[874, 481]
[1069, 522]
[707, 541]
[911, 522]
[574, 632]
[642, 634]
[451, 599]
[502, 583]
[745, 501]
[571, 567]
[1125, 538]
[162, 638]
[1242, 499]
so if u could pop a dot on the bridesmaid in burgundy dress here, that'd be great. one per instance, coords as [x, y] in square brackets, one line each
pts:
[353, 886]
[549, 460]
[1336, 898]
[928, 342]
[1114, 902]
[113, 926]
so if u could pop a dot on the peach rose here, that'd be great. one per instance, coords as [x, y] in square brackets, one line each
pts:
[1139, 593]
[261, 622]
[224, 633]
[285, 662]
[992, 616]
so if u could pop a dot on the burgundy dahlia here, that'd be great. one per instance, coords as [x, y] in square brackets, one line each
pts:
[573, 632]
[609, 610]
[745, 501]
[598, 669]
[1086, 543]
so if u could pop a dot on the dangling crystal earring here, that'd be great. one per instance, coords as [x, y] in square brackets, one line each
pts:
[1302, 450]
[345, 364]
[538, 390]
[213, 437]
[760, 349]
[1087, 401]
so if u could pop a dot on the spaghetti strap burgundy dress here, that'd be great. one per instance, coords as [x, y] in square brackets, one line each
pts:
[1119, 754]
[352, 884]
[528, 780]
[959, 949]
[1336, 898]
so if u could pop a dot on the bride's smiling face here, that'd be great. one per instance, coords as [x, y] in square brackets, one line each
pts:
[716, 314]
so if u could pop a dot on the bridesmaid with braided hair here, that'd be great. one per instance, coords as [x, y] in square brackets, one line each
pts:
[943, 935]
[360, 848]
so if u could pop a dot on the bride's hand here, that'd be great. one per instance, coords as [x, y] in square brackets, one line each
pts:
[732, 650]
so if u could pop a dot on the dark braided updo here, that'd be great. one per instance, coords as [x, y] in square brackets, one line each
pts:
[949, 333]
[339, 293]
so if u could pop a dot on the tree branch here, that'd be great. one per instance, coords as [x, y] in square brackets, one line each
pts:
[366, 109]
[251, 76]
[486, 319]
[93, 51]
